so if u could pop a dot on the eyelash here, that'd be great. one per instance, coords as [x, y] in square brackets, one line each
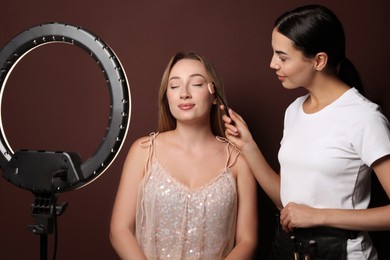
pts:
[196, 85]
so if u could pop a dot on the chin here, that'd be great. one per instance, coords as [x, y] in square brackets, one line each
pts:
[286, 85]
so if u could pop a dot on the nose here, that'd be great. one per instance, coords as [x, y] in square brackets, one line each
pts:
[274, 64]
[185, 94]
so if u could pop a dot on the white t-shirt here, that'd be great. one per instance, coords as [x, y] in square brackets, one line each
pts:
[325, 156]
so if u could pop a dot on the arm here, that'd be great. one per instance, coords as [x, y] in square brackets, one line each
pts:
[372, 219]
[122, 228]
[246, 230]
[238, 133]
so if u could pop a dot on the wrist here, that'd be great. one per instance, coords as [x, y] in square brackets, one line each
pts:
[320, 218]
[249, 147]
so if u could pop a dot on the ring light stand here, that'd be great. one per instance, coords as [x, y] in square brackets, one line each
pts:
[47, 173]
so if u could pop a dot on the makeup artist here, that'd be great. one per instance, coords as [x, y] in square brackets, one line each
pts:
[333, 138]
[186, 192]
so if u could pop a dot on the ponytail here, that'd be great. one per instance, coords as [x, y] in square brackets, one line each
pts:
[350, 76]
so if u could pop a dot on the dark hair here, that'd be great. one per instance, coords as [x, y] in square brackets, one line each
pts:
[314, 29]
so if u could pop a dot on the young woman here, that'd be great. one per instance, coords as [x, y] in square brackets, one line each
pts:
[333, 136]
[185, 193]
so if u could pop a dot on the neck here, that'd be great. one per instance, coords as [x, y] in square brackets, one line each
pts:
[193, 134]
[324, 91]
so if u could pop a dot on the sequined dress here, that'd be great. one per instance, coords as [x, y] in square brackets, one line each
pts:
[175, 221]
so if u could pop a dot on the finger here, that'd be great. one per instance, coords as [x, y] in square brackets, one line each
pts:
[237, 119]
[227, 119]
[284, 225]
[231, 128]
[287, 225]
[290, 227]
[285, 229]
[230, 132]
[225, 110]
[283, 213]
[284, 221]
[235, 116]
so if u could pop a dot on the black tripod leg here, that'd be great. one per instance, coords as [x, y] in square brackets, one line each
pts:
[43, 246]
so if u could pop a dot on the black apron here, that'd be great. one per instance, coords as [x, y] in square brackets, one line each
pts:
[311, 244]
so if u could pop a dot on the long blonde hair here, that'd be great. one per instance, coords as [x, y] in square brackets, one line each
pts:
[166, 121]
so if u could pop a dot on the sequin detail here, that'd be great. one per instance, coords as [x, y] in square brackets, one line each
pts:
[177, 222]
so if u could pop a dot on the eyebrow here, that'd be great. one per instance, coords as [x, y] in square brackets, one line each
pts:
[191, 76]
[281, 52]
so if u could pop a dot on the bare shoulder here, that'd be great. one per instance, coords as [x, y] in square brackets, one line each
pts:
[139, 149]
[246, 181]
[239, 164]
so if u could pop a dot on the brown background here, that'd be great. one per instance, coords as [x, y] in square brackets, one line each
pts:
[56, 99]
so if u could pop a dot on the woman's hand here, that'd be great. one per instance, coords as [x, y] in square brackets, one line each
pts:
[237, 131]
[297, 216]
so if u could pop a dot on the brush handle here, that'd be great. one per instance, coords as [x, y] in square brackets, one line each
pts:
[225, 107]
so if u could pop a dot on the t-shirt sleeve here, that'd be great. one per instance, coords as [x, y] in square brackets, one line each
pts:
[370, 136]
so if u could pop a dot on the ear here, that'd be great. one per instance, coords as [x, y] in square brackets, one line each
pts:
[320, 61]
[215, 101]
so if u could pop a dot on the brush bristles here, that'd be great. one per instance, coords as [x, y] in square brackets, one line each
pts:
[211, 88]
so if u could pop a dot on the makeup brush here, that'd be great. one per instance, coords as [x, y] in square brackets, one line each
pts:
[213, 90]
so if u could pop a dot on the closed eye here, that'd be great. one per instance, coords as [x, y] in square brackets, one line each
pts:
[281, 55]
[282, 59]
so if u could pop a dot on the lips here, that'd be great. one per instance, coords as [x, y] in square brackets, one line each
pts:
[186, 106]
[281, 78]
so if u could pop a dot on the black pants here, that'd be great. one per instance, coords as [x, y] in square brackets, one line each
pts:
[311, 244]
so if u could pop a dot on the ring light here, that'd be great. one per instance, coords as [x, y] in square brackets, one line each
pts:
[78, 174]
